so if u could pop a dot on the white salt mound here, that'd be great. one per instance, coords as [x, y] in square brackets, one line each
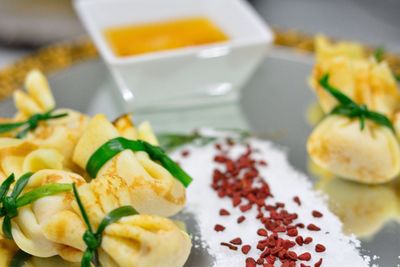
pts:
[285, 183]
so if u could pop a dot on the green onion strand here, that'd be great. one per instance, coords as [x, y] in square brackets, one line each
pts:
[114, 146]
[351, 109]
[11, 203]
[30, 124]
[93, 239]
[379, 53]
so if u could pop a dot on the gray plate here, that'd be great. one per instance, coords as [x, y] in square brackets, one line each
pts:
[273, 105]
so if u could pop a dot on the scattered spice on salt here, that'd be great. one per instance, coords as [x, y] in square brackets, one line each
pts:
[284, 184]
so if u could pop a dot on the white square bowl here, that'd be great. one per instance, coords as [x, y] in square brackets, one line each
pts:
[181, 77]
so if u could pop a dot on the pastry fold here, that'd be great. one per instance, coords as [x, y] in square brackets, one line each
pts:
[152, 188]
[53, 225]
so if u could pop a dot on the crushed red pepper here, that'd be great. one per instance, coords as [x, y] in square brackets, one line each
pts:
[317, 214]
[240, 181]
[224, 212]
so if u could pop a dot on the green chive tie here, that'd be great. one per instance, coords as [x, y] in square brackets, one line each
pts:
[30, 124]
[347, 107]
[9, 207]
[11, 203]
[114, 146]
[93, 239]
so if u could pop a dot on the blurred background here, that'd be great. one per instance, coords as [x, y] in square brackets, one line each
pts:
[27, 25]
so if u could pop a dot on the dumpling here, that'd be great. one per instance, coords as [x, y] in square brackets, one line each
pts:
[21, 156]
[53, 225]
[27, 226]
[371, 155]
[362, 79]
[169, 246]
[363, 209]
[153, 189]
[137, 241]
[60, 134]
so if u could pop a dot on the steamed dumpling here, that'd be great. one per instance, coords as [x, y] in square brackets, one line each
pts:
[169, 246]
[362, 79]
[27, 226]
[60, 134]
[137, 241]
[363, 209]
[153, 189]
[368, 156]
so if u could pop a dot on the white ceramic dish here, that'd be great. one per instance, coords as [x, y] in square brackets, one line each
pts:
[180, 77]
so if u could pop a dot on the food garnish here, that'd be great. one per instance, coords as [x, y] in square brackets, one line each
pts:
[379, 53]
[93, 239]
[239, 180]
[351, 109]
[30, 124]
[11, 203]
[114, 146]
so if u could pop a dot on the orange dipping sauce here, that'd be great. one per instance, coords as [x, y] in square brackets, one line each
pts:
[158, 36]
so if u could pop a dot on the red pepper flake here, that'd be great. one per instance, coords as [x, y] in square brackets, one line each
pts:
[236, 201]
[241, 219]
[224, 212]
[240, 180]
[308, 240]
[288, 244]
[320, 248]
[318, 263]
[271, 259]
[245, 208]
[306, 256]
[292, 232]
[250, 262]
[246, 249]
[291, 255]
[262, 232]
[297, 200]
[230, 246]
[218, 146]
[317, 214]
[262, 162]
[236, 241]
[299, 240]
[185, 153]
[220, 158]
[279, 229]
[300, 225]
[313, 227]
[219, 228]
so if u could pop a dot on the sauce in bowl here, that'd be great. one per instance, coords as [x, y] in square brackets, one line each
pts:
[139, 39]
